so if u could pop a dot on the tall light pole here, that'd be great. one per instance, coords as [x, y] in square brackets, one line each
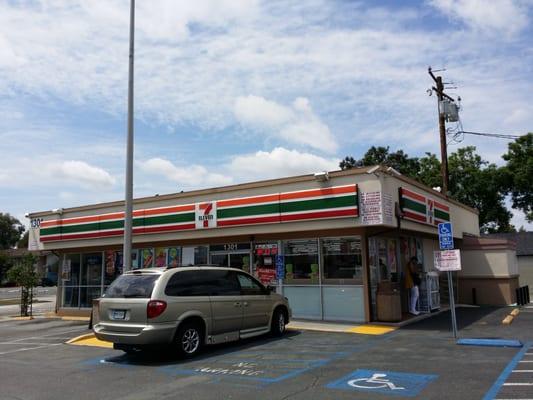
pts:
[128, 211]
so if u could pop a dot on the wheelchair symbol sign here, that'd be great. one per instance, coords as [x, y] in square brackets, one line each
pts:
[384, 382]
[377, 381]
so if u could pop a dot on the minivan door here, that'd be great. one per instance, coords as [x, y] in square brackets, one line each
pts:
[256, 303]
[123, 306]
[226, 304]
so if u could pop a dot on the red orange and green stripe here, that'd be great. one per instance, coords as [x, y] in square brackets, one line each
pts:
[419, 208]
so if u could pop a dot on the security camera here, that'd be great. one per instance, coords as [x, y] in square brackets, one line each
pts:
[27, 215]
[393, 171]
[57, 210]
[322, 176]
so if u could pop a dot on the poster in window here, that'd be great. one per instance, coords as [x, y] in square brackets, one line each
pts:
[393, 264]
[173, 257]
[419, 252]
[160, 256]
[65, 271]
[147, 258]
[110, 259]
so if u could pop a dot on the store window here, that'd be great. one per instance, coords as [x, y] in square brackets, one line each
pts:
[301, 261]
[342, 260]
[91, 278]
[112, 266]
[174, 256]
[70, 277]
[146, 258]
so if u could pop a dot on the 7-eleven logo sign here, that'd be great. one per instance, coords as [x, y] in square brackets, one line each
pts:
[206, 215]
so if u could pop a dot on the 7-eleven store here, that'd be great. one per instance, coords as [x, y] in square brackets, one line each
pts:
[330, 243]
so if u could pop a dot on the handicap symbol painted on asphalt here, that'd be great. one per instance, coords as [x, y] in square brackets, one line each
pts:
[383, 382]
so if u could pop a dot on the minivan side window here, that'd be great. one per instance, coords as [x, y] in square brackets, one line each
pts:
[203, 283]
[249, 286]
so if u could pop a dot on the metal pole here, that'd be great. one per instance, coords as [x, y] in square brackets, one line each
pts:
[128, 212]
[443, 145]
[452, 304]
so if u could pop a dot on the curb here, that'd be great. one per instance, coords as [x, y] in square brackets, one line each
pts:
[509, 319]
[80, 338]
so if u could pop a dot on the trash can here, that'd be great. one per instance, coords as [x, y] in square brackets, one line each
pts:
[389, 307]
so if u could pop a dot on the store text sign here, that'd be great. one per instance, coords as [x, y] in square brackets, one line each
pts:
[447, 260]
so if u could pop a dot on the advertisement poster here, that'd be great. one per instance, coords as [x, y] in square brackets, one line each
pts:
[173, 257]
[393, 264]
[110, 256]
[160, 256]
[65, 271]
[267, 276]
[147, 258]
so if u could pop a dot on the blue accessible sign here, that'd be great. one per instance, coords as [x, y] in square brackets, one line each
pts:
[280, 267]
[383, 382]
[445, 236]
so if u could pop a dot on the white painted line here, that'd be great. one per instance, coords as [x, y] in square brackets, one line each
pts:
[30, 348]
[526, 361]
[518, 384]
[28, 344]
[523, 370]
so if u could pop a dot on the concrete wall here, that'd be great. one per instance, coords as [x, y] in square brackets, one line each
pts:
[489, 274]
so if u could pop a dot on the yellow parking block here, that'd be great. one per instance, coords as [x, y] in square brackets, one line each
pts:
[90, 340]
[372, 329]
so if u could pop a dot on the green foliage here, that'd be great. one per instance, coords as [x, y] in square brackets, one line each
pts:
[10, 231]
[5, 263]
[23, 242]
[518, 174]
[24, 275]
[429, 172]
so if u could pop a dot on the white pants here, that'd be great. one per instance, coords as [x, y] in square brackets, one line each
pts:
[413, 299]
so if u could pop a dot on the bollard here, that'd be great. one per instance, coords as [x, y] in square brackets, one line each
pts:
[528, 300]
[474, 297]
[519, 301]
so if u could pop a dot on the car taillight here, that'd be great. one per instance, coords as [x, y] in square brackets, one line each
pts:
[155, 308]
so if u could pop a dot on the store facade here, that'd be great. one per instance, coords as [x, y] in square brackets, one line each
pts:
[330, 245]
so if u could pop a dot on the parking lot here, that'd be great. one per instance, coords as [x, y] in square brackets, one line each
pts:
[419, 361]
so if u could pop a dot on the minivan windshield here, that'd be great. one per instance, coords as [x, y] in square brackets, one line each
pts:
[130, 286]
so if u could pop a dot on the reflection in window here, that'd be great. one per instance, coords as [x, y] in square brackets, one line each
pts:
[342, 259]
[301, 260]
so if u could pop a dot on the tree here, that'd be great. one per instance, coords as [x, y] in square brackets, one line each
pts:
[429, 171]
[23, 242]
[518, 174]
[23, 273]
[10, 231]
[398, 160]
[5, 264]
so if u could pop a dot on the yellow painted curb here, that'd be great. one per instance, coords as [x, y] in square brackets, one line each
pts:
[372, 329]
[22, 318]
[75, 319]
[89, 340]
[507, 320]
[515, 312]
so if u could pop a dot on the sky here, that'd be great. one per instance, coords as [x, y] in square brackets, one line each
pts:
[230, 91]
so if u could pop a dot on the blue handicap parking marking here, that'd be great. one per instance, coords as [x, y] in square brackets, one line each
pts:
[383, 382]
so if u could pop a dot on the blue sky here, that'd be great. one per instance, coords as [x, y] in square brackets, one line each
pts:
[229, 91]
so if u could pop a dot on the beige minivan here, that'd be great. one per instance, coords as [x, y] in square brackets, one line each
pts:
[187, 307]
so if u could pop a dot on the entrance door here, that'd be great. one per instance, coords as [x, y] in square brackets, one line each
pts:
[233, 260]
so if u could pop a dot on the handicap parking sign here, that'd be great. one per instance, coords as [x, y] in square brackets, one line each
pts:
[445, 236]
[383, 382]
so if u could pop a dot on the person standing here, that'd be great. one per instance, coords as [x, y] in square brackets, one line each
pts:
[412, 282]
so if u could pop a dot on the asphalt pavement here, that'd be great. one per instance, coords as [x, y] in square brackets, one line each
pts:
[418, 361]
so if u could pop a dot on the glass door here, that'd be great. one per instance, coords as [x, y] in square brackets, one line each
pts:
[240, 260]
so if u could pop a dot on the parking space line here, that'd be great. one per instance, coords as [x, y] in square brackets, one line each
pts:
[500, 382]
[523, 370]
[29, 348]
[517, 384]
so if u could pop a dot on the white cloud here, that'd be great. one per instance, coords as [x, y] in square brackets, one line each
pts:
[82, 173]
[279, 162]
[497, 16]
[193, 175]
[297, 124]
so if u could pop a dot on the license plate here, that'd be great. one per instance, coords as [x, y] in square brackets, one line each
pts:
[118, 314]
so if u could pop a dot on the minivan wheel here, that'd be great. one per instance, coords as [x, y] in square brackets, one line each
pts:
[279, 323]
[189, 339]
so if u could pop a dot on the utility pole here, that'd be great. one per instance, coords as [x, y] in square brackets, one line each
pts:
[128, 209]
[442, 130]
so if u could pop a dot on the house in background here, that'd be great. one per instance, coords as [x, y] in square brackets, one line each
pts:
[524, 254]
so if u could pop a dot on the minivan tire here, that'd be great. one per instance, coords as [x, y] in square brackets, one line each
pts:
[279, 322]
[189, 339]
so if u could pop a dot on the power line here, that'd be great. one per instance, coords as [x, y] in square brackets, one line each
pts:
[495, 135]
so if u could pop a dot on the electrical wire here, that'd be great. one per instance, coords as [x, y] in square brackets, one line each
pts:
[494, 135]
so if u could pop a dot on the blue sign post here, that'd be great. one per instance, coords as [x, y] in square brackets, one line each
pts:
[446, 243]
[445, 236]
[280, 267]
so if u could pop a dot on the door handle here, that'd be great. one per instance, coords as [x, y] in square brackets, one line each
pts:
[245, 304]
[237, 304]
